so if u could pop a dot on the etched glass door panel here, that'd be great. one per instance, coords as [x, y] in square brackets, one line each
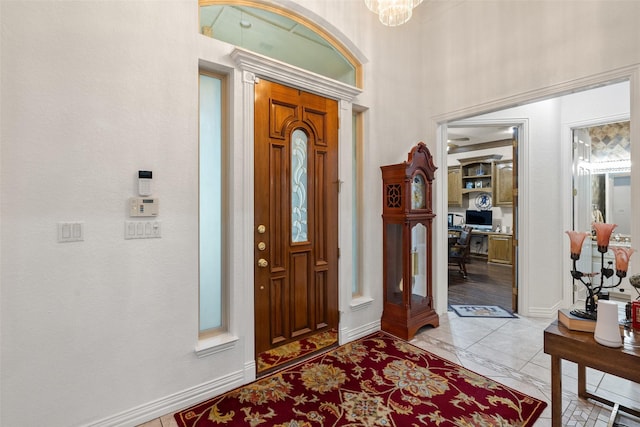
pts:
[299, 167]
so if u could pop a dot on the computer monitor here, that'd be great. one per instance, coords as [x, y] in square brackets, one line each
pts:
[479, 218]
[455, 220]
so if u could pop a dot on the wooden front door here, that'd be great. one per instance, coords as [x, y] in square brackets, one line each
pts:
[296, 215]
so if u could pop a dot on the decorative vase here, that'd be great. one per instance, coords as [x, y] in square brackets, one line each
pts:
[607, 330]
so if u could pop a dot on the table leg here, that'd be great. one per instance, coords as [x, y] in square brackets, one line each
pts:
[556, 391]
[582, 382]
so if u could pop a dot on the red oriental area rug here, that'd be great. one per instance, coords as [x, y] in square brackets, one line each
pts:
[378, 380]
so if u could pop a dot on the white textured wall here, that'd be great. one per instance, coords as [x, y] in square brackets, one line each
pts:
[94, 91]
[91, 93]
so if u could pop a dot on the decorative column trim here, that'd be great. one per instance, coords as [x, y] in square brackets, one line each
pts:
[248, 77]
[244, 156]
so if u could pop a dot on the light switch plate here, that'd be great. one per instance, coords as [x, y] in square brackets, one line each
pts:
[142, 230]
[70, 232]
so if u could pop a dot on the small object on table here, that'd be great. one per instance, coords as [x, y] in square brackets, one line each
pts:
[607, 330]
[635, 282]
[576, 323]
[635, 314]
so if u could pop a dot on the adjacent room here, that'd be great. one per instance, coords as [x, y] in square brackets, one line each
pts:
[481, 186]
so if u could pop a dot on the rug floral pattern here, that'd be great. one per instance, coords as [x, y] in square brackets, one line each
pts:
[376, 381]
[268, 360]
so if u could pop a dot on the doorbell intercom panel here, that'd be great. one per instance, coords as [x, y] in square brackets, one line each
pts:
[144, 183]
[142, 206]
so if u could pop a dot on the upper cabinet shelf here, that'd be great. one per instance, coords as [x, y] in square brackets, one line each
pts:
[476, 176]
[487, 174]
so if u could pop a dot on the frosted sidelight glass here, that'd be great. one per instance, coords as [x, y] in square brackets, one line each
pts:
[210, 203]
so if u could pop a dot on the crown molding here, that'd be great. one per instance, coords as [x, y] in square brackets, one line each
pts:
[281, 72]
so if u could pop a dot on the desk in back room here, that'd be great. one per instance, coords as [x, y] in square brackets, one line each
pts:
[498, 247]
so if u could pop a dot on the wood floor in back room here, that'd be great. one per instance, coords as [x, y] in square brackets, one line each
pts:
[486, 284]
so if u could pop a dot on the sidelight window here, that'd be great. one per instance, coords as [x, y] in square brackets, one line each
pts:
[357, 184]
[211, 209]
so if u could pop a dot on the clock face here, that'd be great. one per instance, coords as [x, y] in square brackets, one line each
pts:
[483, 201]
[417, 193]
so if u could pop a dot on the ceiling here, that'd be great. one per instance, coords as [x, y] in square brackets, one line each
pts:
[465, 135]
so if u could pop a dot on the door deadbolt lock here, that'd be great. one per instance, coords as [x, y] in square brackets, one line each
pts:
[262, 263]
[262, 246]
[262, 229]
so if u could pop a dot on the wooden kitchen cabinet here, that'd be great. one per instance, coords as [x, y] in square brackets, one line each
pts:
[476, 176]
[500, 248]
[454, 179]
[503, 187]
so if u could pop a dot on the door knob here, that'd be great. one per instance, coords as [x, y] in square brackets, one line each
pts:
[262, 246]
[262, 263]
[262, 229]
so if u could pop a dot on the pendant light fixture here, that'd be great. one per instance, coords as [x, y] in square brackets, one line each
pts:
[392, 12]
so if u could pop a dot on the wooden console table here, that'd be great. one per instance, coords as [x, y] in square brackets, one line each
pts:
[581, 348]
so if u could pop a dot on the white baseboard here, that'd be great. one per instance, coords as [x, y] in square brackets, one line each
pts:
[177, 401]
[544, 312]
[204, 391]
[348, 335]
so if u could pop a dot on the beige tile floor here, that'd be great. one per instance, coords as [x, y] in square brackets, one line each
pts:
[511, 351]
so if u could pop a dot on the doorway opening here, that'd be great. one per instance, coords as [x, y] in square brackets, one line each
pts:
[545, 159]
[482, 202]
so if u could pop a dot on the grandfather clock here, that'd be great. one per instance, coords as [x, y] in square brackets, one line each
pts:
[407, 218]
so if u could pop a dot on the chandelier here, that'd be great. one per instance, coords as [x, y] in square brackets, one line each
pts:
[392, 12]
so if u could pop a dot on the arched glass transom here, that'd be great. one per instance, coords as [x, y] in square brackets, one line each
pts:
[284, 38]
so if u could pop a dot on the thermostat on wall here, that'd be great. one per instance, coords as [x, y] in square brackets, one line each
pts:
[144, 183]
[142, 206]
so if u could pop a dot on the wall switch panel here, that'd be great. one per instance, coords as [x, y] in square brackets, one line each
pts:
[141, 230]
[142, 206]
[70, 232]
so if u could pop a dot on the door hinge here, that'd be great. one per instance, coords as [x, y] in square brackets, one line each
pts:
[338, 252]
